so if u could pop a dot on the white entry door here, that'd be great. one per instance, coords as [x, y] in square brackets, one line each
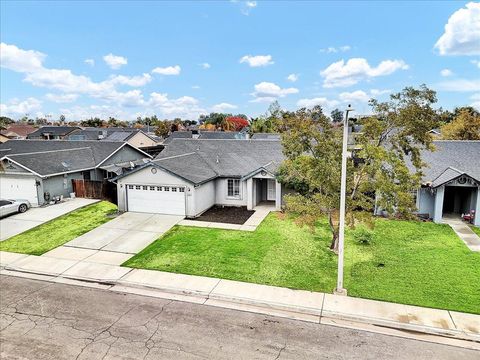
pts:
[271, 190]
[161, 199]
[20, 187]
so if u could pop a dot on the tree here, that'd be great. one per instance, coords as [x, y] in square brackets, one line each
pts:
[337, 116]
[390, 139]
[62, 119]
[235, 123]
[93, 122]
[465, 126]
[163, 128]
[5, 121]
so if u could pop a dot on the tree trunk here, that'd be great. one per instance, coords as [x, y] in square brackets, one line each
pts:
[334, 229]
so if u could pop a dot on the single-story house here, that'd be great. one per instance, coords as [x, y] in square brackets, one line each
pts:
[52, 132]
[18, 131]
[31, 168]
[192, 175]
[451, 181]
[207, 135]
[134, 137]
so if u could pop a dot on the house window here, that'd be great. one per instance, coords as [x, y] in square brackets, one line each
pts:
[233, 188]
[144, 187]
[181, 189]
[174, 189]
[152, 187]
[159, 188]
[166, 188]
[137, 187]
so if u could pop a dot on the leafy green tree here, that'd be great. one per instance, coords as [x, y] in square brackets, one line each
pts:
[465, 126]
[337, 116]
[93, 122]
[390, 139]
[5, 121]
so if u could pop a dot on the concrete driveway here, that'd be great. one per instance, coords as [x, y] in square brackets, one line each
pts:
[15, 224]
[117, 240]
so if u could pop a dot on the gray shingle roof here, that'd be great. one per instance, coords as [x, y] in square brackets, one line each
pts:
[46, 157]
[451, 159]
[225, 158]
[266, 136]
[120, 135]
[53, 130]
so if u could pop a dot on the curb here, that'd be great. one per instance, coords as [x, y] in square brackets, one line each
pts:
[308, 313]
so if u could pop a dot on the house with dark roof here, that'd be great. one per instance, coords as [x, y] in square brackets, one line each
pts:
[205, 135]
[36, 169]
[450, 182]
[52, 132]
[192, 175]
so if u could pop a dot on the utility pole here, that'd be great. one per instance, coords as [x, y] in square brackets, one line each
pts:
[340, 290]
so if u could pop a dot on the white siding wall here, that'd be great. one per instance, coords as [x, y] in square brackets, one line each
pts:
[145, 176]
[204, 196]
[221, 197]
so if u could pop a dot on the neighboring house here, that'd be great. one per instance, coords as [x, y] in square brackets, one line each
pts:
[135, 138]
[31, 168]
[190, 176]
[52, 132]
[3, 138]
[451, 181]
[18, 131]
[205, 135]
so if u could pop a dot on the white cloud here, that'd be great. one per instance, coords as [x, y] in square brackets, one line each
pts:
[90, 62]
[16, 59]
[257, 61]
[196, 87]
[378, 92]
[62, 98]
[205, 65]
[223, 107]
[322, 101]
[476, 62]
[462, 32]
[115, 62]
[16, 107]
[292, 77]
[355, 96]
[267, 92]
[343, 74]
[130, 80]
[446, 72]
[169, 70]
[245, 6]
[334, 50]
[460, 85]
[185, 106]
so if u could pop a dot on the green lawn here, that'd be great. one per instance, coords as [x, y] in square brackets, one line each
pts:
[423, 263]
[56, 232]
[476, 229]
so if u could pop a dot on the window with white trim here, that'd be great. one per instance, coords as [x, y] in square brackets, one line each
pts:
[233, 188]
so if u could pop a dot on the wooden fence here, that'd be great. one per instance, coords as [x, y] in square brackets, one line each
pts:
[92, 189]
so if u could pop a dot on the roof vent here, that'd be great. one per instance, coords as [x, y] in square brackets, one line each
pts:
[65, 165]
[218, 159]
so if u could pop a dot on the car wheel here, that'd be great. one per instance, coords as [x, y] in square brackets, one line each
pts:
[22, 208]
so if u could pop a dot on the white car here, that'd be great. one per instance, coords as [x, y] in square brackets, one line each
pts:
[8, 207]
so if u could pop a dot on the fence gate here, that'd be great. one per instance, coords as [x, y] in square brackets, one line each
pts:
[92, 189]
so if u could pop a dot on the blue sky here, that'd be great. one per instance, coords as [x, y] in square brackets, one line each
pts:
[133, 58]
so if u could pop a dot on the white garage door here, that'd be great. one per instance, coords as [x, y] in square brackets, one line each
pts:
[19, 188]
[163, 199]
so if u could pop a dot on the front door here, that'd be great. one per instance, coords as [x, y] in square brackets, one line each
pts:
[271, 190]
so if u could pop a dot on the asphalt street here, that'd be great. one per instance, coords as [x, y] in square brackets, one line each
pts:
[43, 320]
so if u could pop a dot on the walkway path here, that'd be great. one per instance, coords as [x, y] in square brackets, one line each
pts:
[115, 241]
[465, 233]
[18, 223]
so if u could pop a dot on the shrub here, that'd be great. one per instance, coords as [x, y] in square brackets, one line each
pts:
[363, 236]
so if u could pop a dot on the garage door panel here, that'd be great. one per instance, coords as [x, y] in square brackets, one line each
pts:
[19, 188]
[161, 199]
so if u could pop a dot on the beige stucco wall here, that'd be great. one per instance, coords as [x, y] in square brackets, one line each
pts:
[140, 140]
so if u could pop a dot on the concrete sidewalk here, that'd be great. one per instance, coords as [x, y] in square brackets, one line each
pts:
[443, 326]
[18, 223]
[464, 232]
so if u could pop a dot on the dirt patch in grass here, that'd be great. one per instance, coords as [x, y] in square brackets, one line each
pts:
[226, 214]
